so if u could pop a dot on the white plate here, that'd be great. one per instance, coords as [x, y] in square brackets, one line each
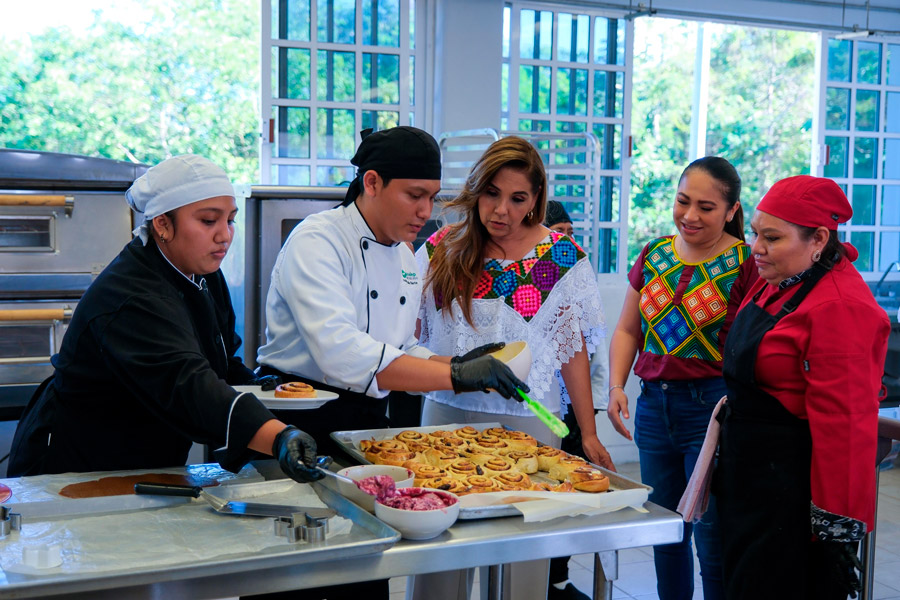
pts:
[270, 401]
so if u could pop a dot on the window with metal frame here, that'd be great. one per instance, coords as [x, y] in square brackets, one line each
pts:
[566, 86]
[859, 111]
[331, 68]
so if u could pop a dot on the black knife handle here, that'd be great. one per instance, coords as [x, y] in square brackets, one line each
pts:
[168, 489]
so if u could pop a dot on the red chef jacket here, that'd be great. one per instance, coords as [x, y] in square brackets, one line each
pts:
[824, 363]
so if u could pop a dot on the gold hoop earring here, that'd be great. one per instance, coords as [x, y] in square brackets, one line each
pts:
[817, 255]
[530, 214]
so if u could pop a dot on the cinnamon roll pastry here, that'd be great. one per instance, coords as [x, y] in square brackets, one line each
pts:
[502, 486]
[451, 441]
[477, 455]
[526, 462]
[497, 465]
[364, 445]
[448, 484]
[560, 471]
[480, 483]
[390, 445]
[295, 389]
[467, 433]
[519, 440]
[500, 432]
[490, 443]
[519, 481]
[418, 447]
[409, 435]
[588, 479]
[395, 457]
[462, 468]
[440, 434]
[440, 457]
[422, 471]
[374, 450]
[548, 456]
[565, 486]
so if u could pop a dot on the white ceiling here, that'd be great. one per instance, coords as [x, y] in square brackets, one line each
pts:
[882, 16]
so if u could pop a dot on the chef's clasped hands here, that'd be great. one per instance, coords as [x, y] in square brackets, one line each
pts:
[295, 450]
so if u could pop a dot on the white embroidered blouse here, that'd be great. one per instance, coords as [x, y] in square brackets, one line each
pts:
[549, 299]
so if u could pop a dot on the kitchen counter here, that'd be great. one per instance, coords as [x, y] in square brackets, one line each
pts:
[466, 544]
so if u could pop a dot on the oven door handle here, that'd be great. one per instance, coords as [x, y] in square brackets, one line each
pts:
[67, 202]
[36, 314]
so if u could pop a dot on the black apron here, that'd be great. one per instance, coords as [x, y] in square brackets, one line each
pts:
[762, 480]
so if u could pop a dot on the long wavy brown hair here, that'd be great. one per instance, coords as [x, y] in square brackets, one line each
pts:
[458, 260]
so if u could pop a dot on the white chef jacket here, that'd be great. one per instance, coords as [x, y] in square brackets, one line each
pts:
[341, 306]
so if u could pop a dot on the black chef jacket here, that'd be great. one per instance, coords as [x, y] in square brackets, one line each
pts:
[143, 372]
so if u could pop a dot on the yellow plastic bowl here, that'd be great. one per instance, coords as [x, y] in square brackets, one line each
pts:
[517, 356]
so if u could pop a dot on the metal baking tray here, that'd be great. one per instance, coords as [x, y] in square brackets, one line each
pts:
[367, 534]
[349, 442]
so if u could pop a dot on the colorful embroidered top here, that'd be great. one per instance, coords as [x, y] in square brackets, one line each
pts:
[523, 284]
[686, 309]
[548, 298]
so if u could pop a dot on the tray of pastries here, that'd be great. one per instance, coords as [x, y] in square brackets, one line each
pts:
[481, 458]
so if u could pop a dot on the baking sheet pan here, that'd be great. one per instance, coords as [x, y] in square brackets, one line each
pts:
[349, 442]
[363, 535]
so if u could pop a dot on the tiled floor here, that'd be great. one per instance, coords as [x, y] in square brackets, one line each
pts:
[637, 578]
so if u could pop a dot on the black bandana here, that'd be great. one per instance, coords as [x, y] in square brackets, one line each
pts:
[397, 153]
[556, 214]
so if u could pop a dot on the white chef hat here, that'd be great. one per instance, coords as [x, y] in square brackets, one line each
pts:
[173, 183]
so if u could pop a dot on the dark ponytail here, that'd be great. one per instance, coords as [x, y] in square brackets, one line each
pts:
[723, 172]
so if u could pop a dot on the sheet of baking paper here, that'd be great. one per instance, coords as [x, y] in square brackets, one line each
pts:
[160, 537]
[543, 506]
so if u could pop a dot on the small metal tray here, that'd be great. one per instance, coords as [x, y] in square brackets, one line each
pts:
[349, 442]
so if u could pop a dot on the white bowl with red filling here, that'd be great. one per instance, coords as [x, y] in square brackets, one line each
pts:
[418, 513]
[403, 478]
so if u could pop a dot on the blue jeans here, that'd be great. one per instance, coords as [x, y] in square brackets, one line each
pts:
[669, 426]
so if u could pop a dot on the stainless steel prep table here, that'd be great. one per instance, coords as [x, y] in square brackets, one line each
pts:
[466, 544]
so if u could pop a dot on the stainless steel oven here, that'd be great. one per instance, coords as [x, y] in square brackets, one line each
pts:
[62, 219]
[270, 214]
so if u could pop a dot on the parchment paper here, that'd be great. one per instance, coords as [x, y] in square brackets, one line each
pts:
[160, 537]
[543, 506]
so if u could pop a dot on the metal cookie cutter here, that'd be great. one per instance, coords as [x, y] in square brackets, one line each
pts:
[9, 521]
[315, 528]
[308, 527]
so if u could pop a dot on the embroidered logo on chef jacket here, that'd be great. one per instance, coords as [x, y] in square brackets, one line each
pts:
[409, 277]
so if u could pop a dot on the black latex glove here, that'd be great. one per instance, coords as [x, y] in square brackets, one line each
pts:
[479, 351]
[267, 382]
[842, 564]
[295, 451]
[485, 373]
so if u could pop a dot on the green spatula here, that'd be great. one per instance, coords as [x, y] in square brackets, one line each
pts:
[547, 418]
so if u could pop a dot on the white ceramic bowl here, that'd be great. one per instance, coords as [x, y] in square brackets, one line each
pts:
[420, 524]
[402, 477]
[517, 356]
